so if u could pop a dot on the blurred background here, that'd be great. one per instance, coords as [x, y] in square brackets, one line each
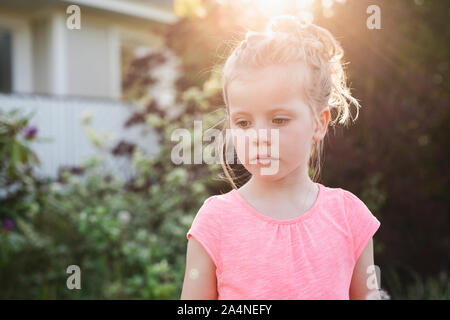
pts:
[86, 116]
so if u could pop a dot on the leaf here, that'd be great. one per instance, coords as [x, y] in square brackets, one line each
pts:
[23, 154]
[35, 158]
[14, 152]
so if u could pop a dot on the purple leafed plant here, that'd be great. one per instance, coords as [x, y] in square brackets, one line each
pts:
[8, 224]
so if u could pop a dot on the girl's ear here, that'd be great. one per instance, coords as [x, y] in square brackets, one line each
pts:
[322, 124]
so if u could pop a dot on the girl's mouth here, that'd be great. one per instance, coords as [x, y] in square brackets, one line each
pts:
[264, 160]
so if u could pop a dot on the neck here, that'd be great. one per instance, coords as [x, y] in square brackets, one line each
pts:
[295, 183]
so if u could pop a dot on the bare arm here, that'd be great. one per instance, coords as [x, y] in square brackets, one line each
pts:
[358, 288]
[200, 281]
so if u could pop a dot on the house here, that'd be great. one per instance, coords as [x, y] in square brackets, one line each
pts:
[59, 71]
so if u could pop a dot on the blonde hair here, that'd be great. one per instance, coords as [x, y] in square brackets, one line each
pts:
[287, 40]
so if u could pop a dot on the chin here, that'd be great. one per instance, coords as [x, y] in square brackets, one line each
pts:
[258, 171]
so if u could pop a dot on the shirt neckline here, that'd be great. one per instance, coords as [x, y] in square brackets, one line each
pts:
[258, 214]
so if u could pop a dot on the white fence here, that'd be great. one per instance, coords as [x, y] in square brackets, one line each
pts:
[60, 119]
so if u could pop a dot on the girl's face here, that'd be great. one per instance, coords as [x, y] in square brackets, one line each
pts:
[268, 100]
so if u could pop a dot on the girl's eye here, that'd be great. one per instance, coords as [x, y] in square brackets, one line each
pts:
[242, 123]
[280, 120]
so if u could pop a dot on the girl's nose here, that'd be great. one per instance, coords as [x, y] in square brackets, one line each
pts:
[262, 136]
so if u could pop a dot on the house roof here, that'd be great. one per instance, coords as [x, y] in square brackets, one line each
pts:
[156, 10]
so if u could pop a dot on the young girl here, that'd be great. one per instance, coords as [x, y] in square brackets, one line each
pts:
[282, 236]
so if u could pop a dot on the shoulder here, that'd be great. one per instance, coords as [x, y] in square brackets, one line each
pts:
[356, 212]
[332, 200]
[352, 202]
[340, 197]
[331, 193]
[225, 197]
[217, 205]
[343, 204]
[349, 196]
[221, 201]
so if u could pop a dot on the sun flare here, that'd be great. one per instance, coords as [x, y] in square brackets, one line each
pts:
[302, 8]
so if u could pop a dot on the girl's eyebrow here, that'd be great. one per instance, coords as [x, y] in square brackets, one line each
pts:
[270, 111]
[279, 109]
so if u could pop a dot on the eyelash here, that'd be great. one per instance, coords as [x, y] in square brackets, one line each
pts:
[284, 121]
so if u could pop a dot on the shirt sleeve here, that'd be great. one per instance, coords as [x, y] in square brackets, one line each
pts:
[206, 229]
[362, 223]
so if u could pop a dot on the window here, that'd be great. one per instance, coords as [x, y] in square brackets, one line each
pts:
[5, 61]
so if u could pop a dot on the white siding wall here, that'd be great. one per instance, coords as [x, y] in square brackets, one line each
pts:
[89, 60]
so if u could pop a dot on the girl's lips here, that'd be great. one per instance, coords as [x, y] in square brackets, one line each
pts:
[263, 160]
[266, 161]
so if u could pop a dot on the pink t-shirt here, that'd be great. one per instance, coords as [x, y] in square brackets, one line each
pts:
[310, 257]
